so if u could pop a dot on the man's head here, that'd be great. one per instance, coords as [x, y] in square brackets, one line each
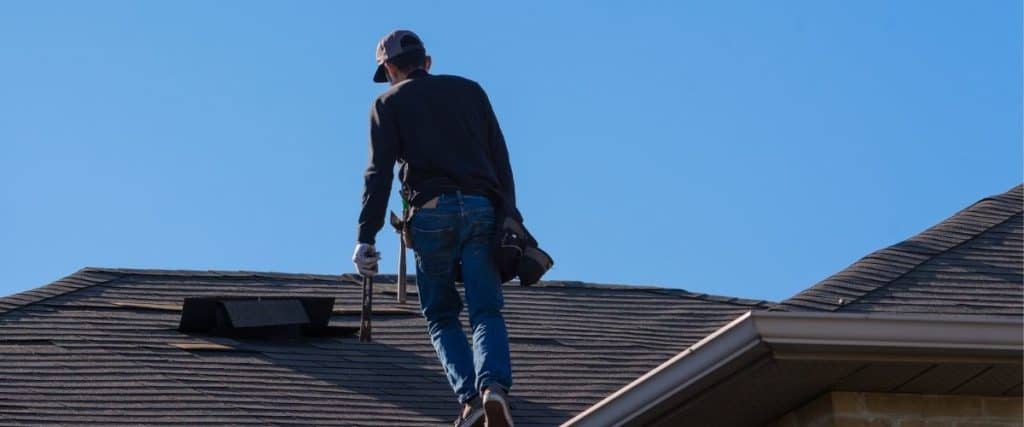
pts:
[398, 54]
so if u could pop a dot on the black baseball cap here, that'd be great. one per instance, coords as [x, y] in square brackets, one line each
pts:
[395, 43]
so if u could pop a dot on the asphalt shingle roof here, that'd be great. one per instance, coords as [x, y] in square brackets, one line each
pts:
[101, 346]
[969, 264]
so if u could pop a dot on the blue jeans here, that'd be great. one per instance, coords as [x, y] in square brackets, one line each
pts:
[460, 228]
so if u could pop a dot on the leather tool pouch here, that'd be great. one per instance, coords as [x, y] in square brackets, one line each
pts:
[532, 265]
[404, 226]
[519, 255]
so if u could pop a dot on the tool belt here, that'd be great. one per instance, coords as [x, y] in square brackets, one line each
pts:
[519, 254]
[402, 225]
[516, 251]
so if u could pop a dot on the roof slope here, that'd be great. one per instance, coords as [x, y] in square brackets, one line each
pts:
[99, 347]
[971, 263]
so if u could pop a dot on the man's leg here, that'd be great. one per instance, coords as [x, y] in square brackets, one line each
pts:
[435, 238]
[483, 295]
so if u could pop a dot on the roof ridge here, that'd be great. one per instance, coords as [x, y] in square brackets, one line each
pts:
[608, 286]
[925, 261]
[391, 278]
[380, 278]
[916, 245]
[81, 279]
[219, 273]
[746, 302]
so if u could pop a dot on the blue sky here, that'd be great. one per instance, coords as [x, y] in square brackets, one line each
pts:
[741, 148]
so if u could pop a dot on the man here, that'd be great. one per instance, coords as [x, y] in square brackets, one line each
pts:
[457, 180]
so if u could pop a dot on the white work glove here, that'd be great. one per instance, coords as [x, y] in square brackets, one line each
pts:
[365, 258]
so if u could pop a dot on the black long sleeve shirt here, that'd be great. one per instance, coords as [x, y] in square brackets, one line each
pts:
[443, 133]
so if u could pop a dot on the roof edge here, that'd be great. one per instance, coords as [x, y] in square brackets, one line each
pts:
[809, 330]
[218, 273]
[391, 279]
[81, 279]
[1004, 205]
[707, 355]
[892, 331]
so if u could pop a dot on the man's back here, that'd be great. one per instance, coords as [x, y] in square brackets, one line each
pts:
[444, 128]
[443, 132]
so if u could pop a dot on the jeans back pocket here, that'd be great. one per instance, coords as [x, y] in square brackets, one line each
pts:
[435, 239]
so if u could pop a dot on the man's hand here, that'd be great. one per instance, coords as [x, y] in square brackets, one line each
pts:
[365, 258]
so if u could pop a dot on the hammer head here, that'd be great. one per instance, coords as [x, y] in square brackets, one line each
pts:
[397, 222]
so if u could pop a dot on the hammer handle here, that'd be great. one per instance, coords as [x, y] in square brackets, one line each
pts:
[364, 321]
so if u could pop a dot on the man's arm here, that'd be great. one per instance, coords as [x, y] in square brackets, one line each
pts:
[502, 165]
[379, 174]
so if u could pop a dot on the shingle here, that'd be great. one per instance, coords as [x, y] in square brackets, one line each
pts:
[80, 280]
[99, 345]
[107, 341]
[971, 263]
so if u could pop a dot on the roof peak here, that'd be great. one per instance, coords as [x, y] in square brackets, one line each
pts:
[92, 275]
[884, 267]
[391, 279]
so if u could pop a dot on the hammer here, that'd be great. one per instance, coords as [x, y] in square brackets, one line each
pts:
[364, 320]
[399, 225]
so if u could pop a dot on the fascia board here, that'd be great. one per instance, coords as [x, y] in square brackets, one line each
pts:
[805, 330]
[717, 349]
[869, 331]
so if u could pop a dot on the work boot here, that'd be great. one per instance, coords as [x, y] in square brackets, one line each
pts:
[496, 408]
[472, 414]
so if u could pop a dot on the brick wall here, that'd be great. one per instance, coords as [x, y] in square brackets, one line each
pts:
[848, 409]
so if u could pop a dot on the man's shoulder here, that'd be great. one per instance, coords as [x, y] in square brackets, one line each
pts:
[455, 78]
[458, 84]
[432, 82]
[388, 93]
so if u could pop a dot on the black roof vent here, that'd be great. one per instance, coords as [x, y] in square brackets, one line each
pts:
[260, 317]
